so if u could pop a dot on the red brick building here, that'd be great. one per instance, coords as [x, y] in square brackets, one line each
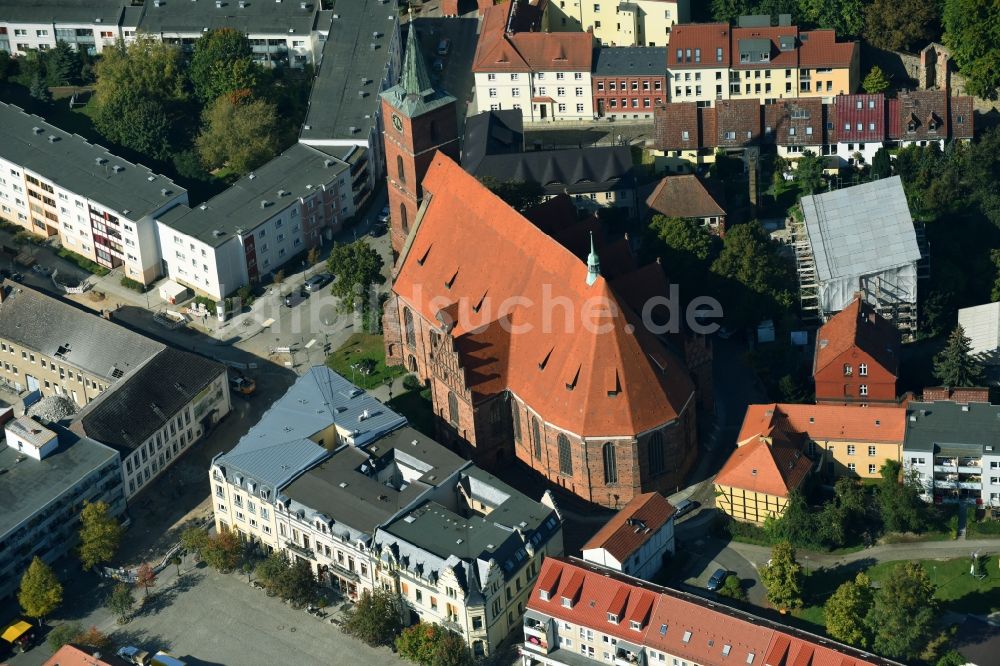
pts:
[629, 82]
[531, 353]
[857, 358]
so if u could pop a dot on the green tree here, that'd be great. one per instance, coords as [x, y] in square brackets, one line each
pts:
[237, 133]
[831, 525]
[120, 602]
[222, 551]
[732, 587]
[730, 10]
[903, 612]
[952, 658]
[357, 266]
[93, 638]
[791, 389]
[782, 577]
[62, 65]
[194, 540]
[796, 525]
[432, 645]
[135, 122]
[63, 634]
[100, 534]
[881, 164]
[755, 281]
[519, 194]
[906, 25]
[40, 592]
[685, 246]
[222, 63]
[8, 66]
[176, 561]
[898, 497]
[845, 16]
[875, 81]
[972, 33]
[846, 609]
[298, 584]
[995, 291]
[271, 571]
[374, 619]
[954, 365]
[145, 577]
[809, 172]
[39, 90]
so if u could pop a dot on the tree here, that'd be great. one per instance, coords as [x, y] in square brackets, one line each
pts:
[881, 164]
[809, 172]
[845, 16]
[846, 609]
[903, 612]
[93, 638]
[40, 592]
[39, 90]
[756, 281]
[831, 525]
[145, 577]
[952, 658]
[194, 540]
[432, 645]
[685, 246]
[100, 534]
[136, 123]
[357, 267]
[972, 33]
[222, 63]
[271, 571]
[62, 65]
[954, 365]
[238, 133]
[899, 499]
[519, 195]
[63, 634]
[782, 577]
[374, 619]
[906, 25]
[8, 66]
[796, 524]
[120, 602]
[875, 81]
[732, 587]
[298, 584]
[312, 256]
[222, 551]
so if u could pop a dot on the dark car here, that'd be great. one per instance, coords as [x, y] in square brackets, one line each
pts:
[296, 297]
[684, 506]
[317, 282]
[717, 579]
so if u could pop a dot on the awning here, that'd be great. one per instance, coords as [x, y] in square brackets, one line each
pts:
[15, 631]
[542, 100]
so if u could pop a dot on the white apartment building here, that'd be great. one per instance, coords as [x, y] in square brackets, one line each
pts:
[698, 63]
[84, 24]
[636, 23]
[101, 206]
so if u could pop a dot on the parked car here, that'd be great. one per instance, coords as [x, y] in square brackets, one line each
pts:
[684, 506]
[134, 655]
[296, 297]
[318, 281]
[383, 215]
[717, 579]
[438, 65]
[243, 385]
[378, 229]
[41, 270]
[444, 47]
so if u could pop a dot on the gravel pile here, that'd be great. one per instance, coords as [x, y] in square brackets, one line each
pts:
[53, 408]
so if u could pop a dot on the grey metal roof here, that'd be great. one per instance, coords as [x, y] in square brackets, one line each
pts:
[147, 399]
[29, 485]
[574, 170]
[71, 162]
[81, 339]
[982, 327]
[951, 426]
[860, 230]
[62, 11]
[256, 17]
[298, 172]
[630, 61]
[491, 133]
[335, 104]
[363, 487]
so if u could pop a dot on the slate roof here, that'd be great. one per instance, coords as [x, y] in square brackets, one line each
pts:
[299, 172]
[860, 230]
[256, 17]
[572, 170]
[982, 327]
[147, 399]
[630, 61]
[945, 424]
[619, 380]
[62, 11]
[858, 325]
[71, 162]
[635, 524]
[79, 338]
[335, 104]
[686, 195]
[491, 133]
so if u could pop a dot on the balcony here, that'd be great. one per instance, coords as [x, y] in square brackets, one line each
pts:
[536, 629]
[944, 468]
[628, 658]
[971, 484]
[299, 550]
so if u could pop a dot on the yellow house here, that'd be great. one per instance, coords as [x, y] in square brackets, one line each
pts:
[637, 23]
[828, 67]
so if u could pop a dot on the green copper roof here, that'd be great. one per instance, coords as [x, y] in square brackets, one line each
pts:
[415, 94]
[593, 263]
[414, 79]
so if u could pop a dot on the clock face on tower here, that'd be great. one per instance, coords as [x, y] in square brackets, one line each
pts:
[397, 123]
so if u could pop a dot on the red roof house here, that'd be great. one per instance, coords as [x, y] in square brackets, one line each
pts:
[636, 539]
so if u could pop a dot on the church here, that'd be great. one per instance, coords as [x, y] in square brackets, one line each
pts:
[527, 328]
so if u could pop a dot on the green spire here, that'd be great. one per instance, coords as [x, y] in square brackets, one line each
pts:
[415, 80]
[593, 263]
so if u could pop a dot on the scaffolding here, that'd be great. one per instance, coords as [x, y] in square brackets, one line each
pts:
[805, 266]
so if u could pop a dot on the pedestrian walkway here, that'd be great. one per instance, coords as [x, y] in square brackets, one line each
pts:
[893, 552]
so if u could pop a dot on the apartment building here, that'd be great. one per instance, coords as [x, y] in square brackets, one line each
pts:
[827, 67]
[49, 473]
[858, 126]
[637, 539]
[252, 228]
[84, 24]
[953, 448]
[156, 413]
[698, 63]
[638, 23]
[765, 61]
[628, 83]
[102, 207]
[580, 613]
[547, 76]
[925, 117]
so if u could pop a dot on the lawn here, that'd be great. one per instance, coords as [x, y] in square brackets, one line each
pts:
[363, 349]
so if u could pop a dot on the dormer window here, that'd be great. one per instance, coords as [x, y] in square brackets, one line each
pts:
[567, 602]
[543, 595]
[635, 625]
[612, 618]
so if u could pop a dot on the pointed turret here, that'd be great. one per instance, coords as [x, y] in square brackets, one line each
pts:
[414, 81]
[593, 263]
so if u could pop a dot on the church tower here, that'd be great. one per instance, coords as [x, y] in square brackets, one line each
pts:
[419, 121]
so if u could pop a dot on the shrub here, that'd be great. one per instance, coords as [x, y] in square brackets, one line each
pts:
[83, 262]
[412, 383]
[134, 285]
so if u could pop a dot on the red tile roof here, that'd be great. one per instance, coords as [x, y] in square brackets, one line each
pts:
[741, 117]
[500, 50]
[795, 122]
[771, 462]
[826, 422]
[854, 110]
[778, 58]
[686, 195]
[820, 48]
[923, 115]
[672, 120]
[708, 37]
[633, 526]
[605, 375]
[858, 325]
[685, 625]
[71, 655]
[962, 117]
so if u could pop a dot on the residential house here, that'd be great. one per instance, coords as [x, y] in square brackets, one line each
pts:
[698, 63]
[49, 473]
[923, 117]
[102, 207]
[857, 358]
[78, 655]
[546, 75]
[637, 539]
[629, 82]
[953, 448]
[857, 125]
[794, 126]
[631, 24]
[827, 67]
[765, 60]
[690, 197]
[580, 612]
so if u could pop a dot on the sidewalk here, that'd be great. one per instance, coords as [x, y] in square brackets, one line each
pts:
[894, 552]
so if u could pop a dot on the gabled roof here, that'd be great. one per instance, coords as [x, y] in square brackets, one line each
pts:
[740, 117]
[618, 380]
[962, 115]
[771, 462]
[798, 122]
[820, 48]
[858, 325]
[672, 120]
[501, 49]
[491, 133]
[636, 523]
[920, 115]
[572, 170]
[852, 111]
[630, 61]
[692, 39]
[826, 422]
[686, 195]
[778, 42]
[72, 655]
